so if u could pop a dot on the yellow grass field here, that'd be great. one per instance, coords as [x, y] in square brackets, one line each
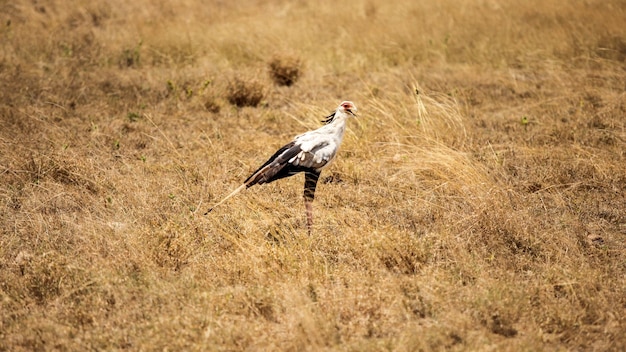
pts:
[478, 202]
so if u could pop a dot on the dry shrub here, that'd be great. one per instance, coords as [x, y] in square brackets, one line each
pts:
[285, 70]
[130, 57]
[211, 105]
[245, 92]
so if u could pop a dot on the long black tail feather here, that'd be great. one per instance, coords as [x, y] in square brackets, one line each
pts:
[276, 167]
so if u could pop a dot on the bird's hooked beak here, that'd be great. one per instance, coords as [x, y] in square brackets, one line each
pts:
[348, 107]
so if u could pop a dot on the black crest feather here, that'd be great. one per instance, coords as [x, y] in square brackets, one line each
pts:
[329, 118]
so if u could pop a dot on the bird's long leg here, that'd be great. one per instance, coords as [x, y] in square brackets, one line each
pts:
[226, 198]
[310, 182]
[309, 214]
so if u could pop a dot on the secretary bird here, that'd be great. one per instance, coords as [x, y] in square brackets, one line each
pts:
[309, 152]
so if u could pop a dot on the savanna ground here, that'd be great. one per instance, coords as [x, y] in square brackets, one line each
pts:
[477, 203]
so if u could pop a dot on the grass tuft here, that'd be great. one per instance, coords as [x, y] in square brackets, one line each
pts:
[285, 70]
[243, 92]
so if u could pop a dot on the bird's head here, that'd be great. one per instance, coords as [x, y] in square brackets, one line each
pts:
[347, 107]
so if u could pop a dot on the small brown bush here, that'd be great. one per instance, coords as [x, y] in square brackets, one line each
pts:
[242, 92]
[285, 70]
[212, 105]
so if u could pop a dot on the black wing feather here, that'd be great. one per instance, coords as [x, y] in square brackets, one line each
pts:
[276, 167]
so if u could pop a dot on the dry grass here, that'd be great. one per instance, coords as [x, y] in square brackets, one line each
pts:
[485, 212]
